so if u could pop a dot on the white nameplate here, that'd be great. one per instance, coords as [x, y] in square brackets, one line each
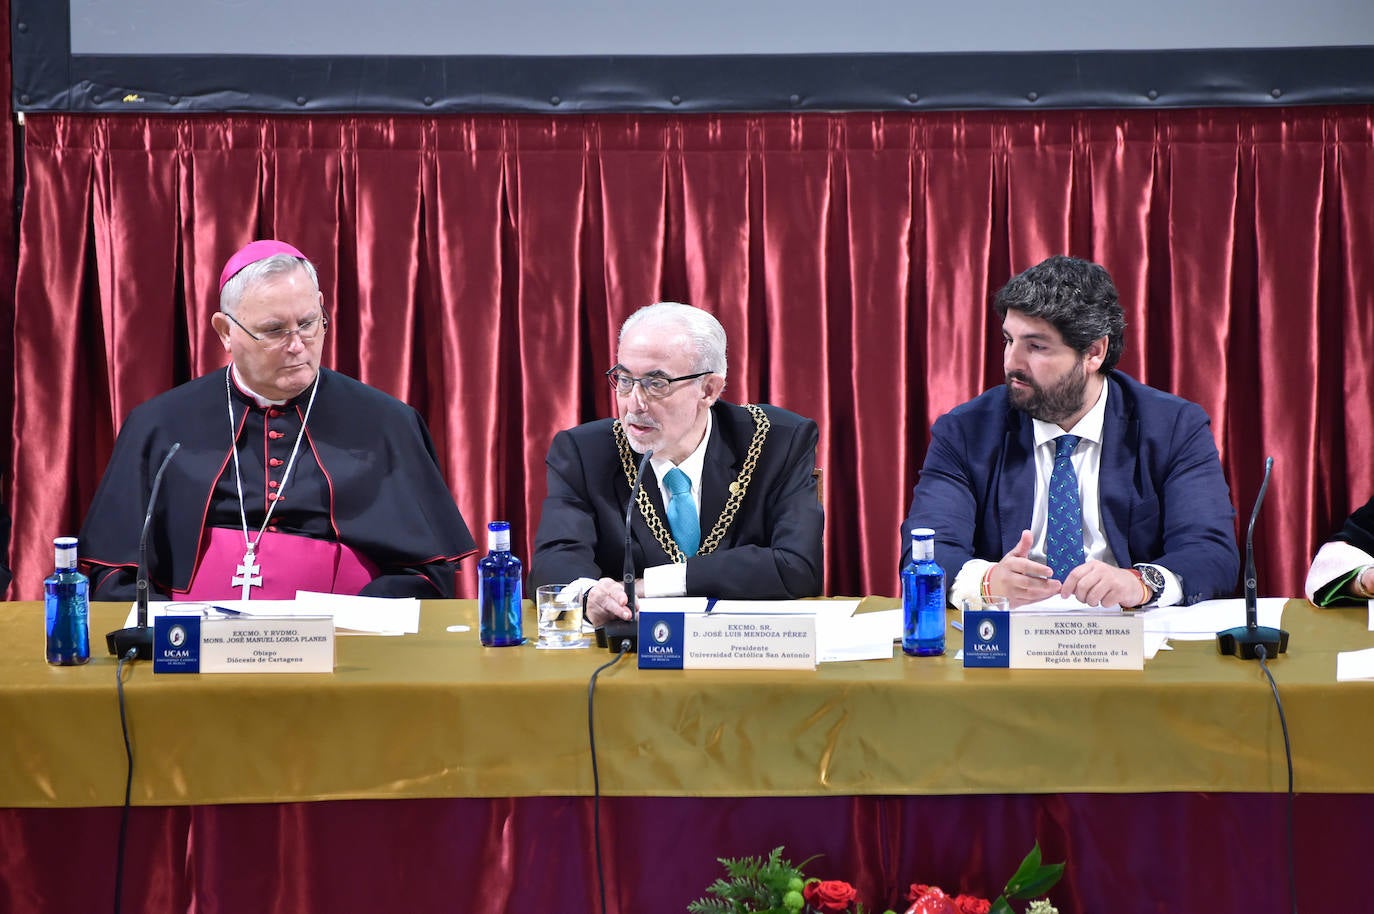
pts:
[726, 641]
[1054, 641]
[243, 644]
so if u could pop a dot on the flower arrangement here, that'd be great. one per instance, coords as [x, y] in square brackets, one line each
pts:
[774, 885]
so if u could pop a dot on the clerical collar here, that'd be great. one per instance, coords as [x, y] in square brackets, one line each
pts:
[249, 392]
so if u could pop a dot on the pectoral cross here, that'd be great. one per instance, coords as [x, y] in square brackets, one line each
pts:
[249, 573]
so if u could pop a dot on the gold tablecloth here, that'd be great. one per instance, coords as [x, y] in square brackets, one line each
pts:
[438, 715]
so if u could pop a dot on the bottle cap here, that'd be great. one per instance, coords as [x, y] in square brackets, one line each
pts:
[920, 532]
[64, 548]
[498, 536]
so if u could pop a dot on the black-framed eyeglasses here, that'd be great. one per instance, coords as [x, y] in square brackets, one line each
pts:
[276, 339]
[656, 385]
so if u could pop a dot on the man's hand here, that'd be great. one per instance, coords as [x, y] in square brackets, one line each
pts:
[1020, 579]
[1099, 584]
[606, 601]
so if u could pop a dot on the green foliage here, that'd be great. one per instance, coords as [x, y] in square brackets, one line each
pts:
[1031, 880]
[756, 885]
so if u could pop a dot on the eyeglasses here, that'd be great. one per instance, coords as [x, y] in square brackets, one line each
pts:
[276, 339]
[654, 385]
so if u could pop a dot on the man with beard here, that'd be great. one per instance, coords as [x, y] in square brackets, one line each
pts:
[728, 503]
[1074, 479]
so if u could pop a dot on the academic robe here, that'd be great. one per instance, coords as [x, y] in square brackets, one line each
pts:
[772, 549]
[1338, 561]
[365, 476]
[4, 551]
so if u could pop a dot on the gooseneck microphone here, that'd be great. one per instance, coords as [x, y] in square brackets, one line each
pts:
[139, 639]
[619, 635]
[1246, 640]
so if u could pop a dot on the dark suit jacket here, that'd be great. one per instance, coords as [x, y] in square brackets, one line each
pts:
[1162, 493]
[771, 551]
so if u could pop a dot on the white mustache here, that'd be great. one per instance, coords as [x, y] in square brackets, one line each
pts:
[639, 419]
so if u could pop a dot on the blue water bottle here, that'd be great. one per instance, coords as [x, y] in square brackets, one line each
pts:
[68, 614]
[923, 598]
[499, 591]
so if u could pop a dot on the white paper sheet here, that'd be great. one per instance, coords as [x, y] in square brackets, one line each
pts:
[1355, 665]
[351, 614]
[1060, 604]
[374, 615]
[866, 636]
[830, 609]
[1202, 621]
[671, 604]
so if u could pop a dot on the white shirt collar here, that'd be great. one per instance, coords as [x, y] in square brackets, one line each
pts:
[692, 465]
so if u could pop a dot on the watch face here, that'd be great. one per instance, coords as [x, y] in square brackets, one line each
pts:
[1153, 578]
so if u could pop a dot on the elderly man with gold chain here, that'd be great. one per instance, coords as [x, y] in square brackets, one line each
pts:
[728, 504]
[289, 476]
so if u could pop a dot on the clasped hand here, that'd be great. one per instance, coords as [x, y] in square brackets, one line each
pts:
[1023, 580]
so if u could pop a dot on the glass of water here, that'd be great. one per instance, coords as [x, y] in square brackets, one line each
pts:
[560, 617]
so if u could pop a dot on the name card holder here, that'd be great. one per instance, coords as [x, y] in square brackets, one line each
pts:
[1054, 641]
[726, 641]
[243, 644]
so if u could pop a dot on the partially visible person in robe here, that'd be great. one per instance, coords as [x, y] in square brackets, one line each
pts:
[289, 476]
[5, 575]
[1343, 569]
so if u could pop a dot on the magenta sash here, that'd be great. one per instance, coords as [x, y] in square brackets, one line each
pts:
[289, 563]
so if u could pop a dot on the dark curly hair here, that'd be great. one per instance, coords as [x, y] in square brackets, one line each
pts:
[1076, 296]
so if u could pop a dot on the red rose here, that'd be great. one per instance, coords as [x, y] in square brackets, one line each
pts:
[972, 904]
[832, 895]
[932, 901]
[917, 890]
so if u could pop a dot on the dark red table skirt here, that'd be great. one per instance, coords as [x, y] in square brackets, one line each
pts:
[1129, 854]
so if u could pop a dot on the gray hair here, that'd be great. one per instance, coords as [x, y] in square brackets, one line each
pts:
[703, 330]
[259, 271]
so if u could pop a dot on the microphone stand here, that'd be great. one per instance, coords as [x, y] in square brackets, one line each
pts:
[1251, 640]
[620, 635]
[139, 639]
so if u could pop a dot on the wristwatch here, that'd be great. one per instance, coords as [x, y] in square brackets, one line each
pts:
[1153, 579]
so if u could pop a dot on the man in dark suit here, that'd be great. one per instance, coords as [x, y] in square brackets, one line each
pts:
[728, 504]
[1074, 479]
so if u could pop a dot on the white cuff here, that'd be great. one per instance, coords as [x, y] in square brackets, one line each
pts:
[666, 580]
[1334, 559]
[968, 583]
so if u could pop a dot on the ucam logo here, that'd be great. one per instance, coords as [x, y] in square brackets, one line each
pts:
[986, 630]
[176, 636]
[662, 632]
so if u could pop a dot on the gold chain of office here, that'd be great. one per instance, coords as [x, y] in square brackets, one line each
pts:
[738, 488]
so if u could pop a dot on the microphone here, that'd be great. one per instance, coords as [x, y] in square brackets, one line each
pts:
[139, 639]
[618, 634]
[1253, 641]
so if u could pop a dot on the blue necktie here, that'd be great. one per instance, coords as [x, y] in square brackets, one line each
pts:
[682, 512]
[1064, 523]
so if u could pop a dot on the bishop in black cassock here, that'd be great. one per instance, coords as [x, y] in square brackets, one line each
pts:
[289, 476]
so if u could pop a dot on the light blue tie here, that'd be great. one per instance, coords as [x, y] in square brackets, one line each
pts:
[1064, 522]
[682, 512]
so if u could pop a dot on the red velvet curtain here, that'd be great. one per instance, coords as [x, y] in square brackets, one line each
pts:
[478, 267]
[1174, 853]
